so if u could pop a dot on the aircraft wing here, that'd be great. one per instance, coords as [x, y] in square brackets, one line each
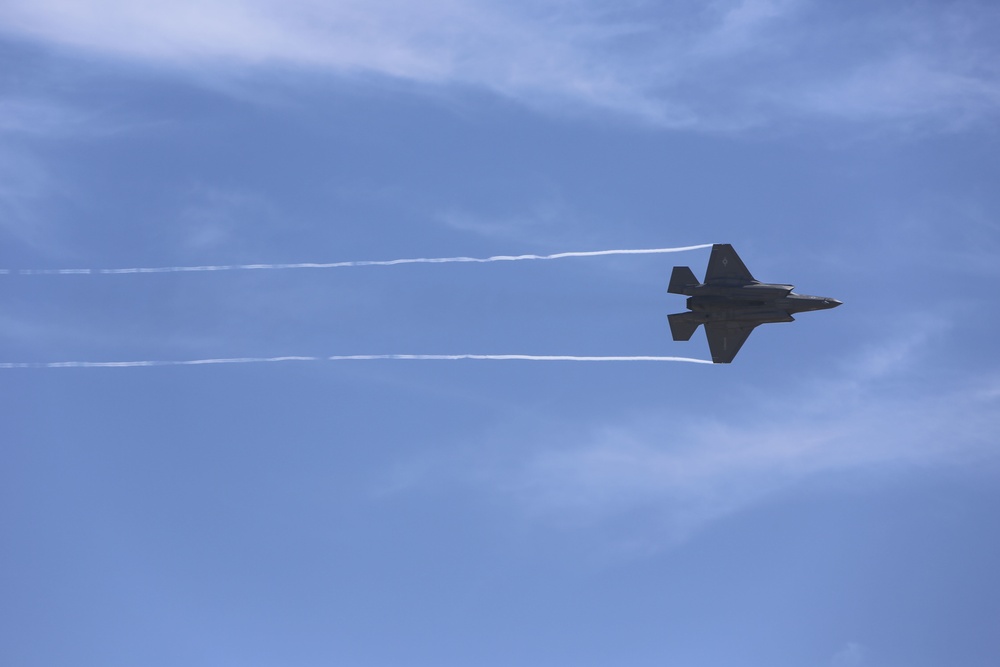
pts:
[725, 265]
[724, 341]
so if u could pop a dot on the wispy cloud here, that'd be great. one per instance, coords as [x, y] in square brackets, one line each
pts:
[23, 180]
[215, 217]
[27, 116]
[721, 65]
[908, 85]
[688, 470]
[696, 474]
[24, 186]
[852, 655]
[743, 26]
[30, 183]
[543, 224]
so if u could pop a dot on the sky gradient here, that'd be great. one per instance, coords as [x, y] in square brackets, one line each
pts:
[830, 499]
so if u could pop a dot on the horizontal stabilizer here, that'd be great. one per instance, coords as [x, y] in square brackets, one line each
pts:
[681, 277]
[683, 325]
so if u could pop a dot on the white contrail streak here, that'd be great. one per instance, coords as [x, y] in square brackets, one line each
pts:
[343, 357]
[338, 265]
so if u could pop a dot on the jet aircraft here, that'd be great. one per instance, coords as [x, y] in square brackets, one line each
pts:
[731, 302]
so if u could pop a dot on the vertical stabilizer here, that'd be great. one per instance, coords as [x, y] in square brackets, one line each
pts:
[725, 266]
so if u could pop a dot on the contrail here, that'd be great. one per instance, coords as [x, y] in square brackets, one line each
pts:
[342, 357]
[338, 265]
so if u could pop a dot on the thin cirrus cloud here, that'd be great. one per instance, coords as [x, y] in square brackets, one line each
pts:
[721, 65]
[29, 184]
[24, 116]
[695, 474]
[691, 470]
[909, 86]
[24, 186]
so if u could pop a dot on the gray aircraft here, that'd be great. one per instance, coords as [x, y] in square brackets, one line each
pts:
[730, 303]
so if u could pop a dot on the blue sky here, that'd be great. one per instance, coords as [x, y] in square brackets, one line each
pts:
[830, 499]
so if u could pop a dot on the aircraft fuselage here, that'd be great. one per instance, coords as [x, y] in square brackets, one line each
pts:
[730, 302]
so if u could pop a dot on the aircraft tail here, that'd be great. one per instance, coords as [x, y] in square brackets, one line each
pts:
[725, 266]
[681, 278]
[683, 325]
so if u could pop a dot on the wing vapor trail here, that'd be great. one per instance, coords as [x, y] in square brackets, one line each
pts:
[352, 357]
[341, 357]
[338, 265]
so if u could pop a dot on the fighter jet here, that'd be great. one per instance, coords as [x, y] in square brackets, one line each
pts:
[731, 302]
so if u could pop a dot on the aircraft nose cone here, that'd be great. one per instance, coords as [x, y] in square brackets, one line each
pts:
[833, 303]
